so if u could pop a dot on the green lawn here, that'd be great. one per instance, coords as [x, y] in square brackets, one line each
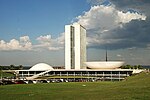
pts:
[133, 88]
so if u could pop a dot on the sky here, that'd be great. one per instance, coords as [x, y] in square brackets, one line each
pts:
[32, 31]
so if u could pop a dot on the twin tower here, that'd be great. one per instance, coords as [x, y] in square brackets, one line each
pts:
[75, 46]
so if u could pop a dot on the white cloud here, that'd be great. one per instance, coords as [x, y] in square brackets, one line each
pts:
[13, 44]
[61, 39]
[26, 43]
[107, 17]
[23, 44]
[54, 48]
[102, 17]
[128, 16]
[118, 55]
[132, 48]
[44, 39]
[25, 39]
[50, 43]
[100, 20]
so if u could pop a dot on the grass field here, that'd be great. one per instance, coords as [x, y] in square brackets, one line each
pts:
[133, 88]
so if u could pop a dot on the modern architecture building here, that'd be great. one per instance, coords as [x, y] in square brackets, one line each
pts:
[72, 75]
[76, 67]
[75, 46]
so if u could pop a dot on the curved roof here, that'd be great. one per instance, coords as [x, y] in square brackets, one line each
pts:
[41, 67]
[104, 64]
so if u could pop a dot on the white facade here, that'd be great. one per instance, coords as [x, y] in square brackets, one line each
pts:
[75, 46]
[41, 67]
[104, 64]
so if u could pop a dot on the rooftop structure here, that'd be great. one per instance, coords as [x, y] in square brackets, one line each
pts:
[104, 64]
[41, 67]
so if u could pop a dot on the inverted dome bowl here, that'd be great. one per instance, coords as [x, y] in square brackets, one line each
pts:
[104, 64]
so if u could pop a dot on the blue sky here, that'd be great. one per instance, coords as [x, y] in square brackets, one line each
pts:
[37, 17]
[32, 31]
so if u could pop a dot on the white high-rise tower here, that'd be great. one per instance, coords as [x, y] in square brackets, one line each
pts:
[75, 46]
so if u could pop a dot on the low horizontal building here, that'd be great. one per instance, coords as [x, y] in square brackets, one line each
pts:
[44, 71]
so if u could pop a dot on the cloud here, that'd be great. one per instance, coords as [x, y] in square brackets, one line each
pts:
[128, 16]
[99, 2]
[106, 17]
[106, 25]
[61, 39]
[140, 6]
[23, 44]
[50, 43]
[26, 43]
[95, 18]
[136, 4]
[118, 55]
[133, 34]
[112, 23]
[45, 40]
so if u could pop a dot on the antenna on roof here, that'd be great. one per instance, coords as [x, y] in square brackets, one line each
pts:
[106, 54]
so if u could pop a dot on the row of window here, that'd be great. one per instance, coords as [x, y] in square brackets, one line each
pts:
[77, 72]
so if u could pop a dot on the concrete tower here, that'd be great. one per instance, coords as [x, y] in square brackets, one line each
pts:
[75, 46]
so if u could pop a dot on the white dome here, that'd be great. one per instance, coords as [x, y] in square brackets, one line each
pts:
[104, 64]
[41, 67]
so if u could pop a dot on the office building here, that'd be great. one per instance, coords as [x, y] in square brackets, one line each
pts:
[75, 46]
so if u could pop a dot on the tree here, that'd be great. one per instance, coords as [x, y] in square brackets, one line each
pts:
[140, 67]
[12, 67]
[20, 67]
